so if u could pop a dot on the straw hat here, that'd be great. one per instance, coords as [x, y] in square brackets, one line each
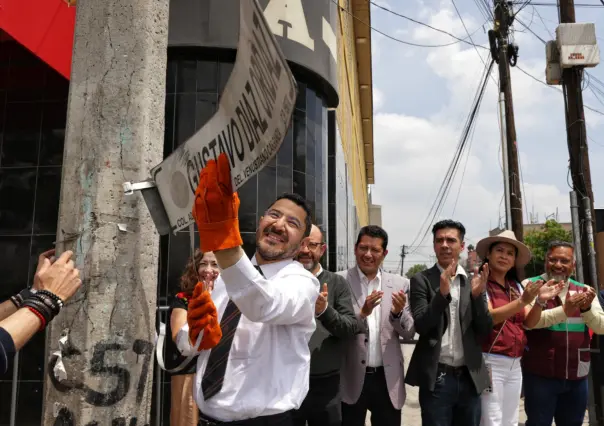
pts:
[522, 257]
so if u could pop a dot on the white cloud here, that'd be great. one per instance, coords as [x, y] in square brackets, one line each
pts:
[378, 99]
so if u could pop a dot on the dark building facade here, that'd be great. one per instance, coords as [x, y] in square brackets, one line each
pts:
[311, 162]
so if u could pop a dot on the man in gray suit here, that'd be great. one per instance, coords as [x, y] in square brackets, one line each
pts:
[451, 317]
[372, 376]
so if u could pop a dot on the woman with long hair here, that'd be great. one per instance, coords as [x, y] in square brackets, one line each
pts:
[511, 307]
[202, 267]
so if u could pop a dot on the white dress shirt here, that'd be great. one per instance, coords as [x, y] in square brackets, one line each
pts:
[269, 362]
[374, 320]
[451, 350]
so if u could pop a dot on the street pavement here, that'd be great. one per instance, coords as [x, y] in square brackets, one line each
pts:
[411, 412]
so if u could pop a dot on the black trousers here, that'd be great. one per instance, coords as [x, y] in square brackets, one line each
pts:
[375, 398]
[282, 419]
[323, 404]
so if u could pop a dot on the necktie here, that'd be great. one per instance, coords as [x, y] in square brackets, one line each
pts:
[213, 377]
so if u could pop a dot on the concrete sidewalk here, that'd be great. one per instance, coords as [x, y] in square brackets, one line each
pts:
[411, 411]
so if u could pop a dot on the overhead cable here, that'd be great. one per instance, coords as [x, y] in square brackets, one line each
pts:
[443, 191]
[463, 40]
[398, 40]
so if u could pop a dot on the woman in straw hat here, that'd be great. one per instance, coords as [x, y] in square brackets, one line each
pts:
[511, 308]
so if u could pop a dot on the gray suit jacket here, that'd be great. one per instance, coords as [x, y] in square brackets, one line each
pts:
[352, 374]
[431, 314]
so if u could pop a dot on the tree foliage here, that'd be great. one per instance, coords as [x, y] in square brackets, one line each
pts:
[415, 269]
[538, 239]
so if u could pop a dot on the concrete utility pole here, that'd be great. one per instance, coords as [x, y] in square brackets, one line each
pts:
[503, 19]
[101, 372]
[403, 254]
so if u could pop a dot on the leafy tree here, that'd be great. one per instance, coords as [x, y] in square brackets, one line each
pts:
[415, 269]
[538, 239]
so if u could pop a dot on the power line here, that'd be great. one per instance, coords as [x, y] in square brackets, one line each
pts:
[555, 88]
[463, 40]
[469, 35]
[445, 186]
[398, 40]
[587, 5]
[484, 9]
[530, 30]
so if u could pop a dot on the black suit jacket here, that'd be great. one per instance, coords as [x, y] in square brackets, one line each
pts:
[334, 326]
[430, 312]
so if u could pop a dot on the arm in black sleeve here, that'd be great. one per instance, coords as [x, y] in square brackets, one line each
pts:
[7, 349]
[340, 319]
[482, 321]
[426, 313]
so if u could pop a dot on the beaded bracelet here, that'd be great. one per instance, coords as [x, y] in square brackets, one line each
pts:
[53, 296]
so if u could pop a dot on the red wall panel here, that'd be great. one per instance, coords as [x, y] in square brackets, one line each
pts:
[43, 26]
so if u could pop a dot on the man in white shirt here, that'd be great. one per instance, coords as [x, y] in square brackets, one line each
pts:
[258, 373]
[452, 317]
[372, 375]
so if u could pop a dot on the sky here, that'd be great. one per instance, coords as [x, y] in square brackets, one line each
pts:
[422, 97]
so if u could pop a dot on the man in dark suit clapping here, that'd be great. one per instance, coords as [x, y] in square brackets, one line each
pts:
[451, 316]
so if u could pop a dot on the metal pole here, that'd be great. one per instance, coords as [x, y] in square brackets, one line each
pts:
[589, 230]
[158, 376]
[506, 171]
[14, 390]
[576, 223]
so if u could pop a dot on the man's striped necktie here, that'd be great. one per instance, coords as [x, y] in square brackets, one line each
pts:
[213, 377]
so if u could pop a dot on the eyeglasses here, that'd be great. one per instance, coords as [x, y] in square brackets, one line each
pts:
[555, 260]
[291, 221]
[313, 245]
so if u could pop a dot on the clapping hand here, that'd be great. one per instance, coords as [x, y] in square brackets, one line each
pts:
[573, 303]
[531, 291]
[373, 300]
[550, 290]
[321, 303]
[479, 280]
[590, 295]
[399, 300]
[445, 279]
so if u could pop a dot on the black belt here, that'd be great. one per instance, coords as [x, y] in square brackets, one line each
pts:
[373, 370]
[448, 369]
[257, 421]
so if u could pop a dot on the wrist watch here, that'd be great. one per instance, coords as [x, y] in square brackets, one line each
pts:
[542, 304]
[396, 316]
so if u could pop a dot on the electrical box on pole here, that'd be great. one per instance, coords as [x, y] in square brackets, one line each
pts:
[553, 70]
[577, 45]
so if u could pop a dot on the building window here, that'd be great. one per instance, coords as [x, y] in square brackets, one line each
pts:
[33, 109]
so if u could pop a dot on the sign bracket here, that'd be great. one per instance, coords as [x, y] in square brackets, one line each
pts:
[150, 193]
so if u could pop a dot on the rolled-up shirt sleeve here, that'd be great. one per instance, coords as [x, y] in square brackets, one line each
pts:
[285, 299]
[7, 349]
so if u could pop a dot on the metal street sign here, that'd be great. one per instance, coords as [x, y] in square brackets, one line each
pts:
[253, 116]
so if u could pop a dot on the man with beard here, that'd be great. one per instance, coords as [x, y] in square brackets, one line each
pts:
[372, 373]
[452, 317]
[255, 369]
[557, 360]
[336, 322]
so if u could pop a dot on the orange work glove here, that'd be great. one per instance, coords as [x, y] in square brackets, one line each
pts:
[216, 207]
[202, 316]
